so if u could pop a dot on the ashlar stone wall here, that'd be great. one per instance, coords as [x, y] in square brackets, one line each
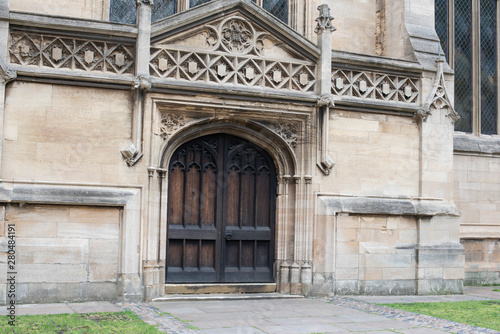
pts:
[67, 134]
[64, 252]
[378, 255]
[374, 154]
[85, 9]
[477, 195]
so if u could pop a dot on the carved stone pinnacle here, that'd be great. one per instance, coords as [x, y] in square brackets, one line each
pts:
[324, 20]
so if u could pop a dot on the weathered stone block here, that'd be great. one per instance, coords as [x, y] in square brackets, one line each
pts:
[52, 251]
[347, 287]
[398, 274]
[51, 292]
[389, 260]
[393, 287]
[102, 291]
[440, 286]
[52, 273]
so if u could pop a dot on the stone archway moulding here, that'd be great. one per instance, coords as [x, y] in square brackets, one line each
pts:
[282, 133]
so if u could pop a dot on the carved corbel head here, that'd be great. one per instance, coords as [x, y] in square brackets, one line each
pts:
[141, 83]
[325, 101]
[422, 114]
[7, 74]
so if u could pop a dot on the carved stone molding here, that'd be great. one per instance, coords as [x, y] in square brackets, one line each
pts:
[308, 179]
[438, 98]
[288, 131]
[161, 172]
[284, 179]
[324, 20]
[368, 85]
[62, 52]
[170, 123]
[151, 171]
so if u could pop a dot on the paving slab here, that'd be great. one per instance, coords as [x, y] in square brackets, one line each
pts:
[240, 330]
[301, 329]
[92, 307]
[37, 309]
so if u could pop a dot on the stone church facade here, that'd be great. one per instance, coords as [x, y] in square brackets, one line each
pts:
[226, 145]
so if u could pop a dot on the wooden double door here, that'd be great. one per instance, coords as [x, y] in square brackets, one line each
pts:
[221, 212]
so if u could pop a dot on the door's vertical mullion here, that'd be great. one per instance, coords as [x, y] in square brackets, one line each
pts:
[220, 244]
[183, 254]
[186, 171]
[239, 254]
[200, 190]
[255, 255]
[256, 177]
[240, 201]
[199, 255]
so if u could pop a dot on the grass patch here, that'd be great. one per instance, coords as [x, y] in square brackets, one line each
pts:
[475, 313]
[497, 290]
[119, 322]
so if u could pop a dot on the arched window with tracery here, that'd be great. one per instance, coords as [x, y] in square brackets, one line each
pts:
[469, 31]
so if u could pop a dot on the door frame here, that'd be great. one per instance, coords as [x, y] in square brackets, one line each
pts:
[220, 216]
[292, 181]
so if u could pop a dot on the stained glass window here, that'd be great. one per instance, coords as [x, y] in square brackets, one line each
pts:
[489, 54]
[122, 11]
[441, 19]
[463, 65]
[476, 92]
[278, 8]
[163, 9]
[194, 3]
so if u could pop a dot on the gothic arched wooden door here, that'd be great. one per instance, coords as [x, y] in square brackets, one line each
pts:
[221, 212]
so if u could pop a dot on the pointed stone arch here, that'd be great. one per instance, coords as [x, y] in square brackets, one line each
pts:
[281, 153]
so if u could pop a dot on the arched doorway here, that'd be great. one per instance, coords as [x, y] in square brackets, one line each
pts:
[221, 212]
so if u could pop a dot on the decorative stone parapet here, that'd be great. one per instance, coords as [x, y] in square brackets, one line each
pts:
[372, 85]
[66, 52]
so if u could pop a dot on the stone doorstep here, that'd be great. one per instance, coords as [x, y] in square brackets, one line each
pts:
[221, 288]
[225, 296]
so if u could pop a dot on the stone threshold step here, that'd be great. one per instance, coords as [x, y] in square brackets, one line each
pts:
[204, 288]
[225, 296]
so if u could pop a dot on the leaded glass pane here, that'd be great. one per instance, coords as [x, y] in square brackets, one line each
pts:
[122, 11]
[463, 65]
[278, 8]
[162, 9]
[441, 19]
[489, 98]
[194, 3]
